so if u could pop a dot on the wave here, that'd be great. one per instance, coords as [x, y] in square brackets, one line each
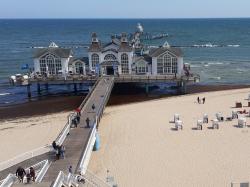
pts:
[215, 78]
[208, 45]
[3, 94]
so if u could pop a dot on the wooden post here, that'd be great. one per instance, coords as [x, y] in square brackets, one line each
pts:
[75, 87]
[29, 91]
[38, 88]
[47, 87]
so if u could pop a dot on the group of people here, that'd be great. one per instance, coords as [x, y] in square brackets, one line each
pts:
[201, 101]
[29, 173]
[59, 149]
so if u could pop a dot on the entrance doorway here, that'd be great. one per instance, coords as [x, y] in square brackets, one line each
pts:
[110, 70]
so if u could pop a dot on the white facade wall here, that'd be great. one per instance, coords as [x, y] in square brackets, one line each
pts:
[37, 65]
[154, 66]
[180, 66]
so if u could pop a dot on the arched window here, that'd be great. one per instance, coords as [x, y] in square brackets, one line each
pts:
[174, 65]
[95, 60]
[124, 64]
[167, 64]
[110, 57]
[50, 64]
[79, 67]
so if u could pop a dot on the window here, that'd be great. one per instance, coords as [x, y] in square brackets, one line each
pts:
[174, 65]
[95, 60]
[141, 68]
[79, 67]
[167, 64]
[50, 64]
[124, 64]
[110, 57]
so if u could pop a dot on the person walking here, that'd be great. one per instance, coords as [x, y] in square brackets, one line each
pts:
[54, 145]
[20, 173]
[58, 152]
[62, 152]
[198, 100]
[93, 107]
[70, 169]
[204, 99]
[87, 122]
[32, 174]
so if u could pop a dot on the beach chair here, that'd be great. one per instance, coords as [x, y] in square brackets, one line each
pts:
[205, 118]
[199, 124]
[215, 124]
[178, 125]
[219, 117]
[238, 105]
[234, 114]
[176, 117]
[242, 122]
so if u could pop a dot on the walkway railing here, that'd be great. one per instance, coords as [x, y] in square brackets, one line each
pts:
[69, 180]
[40, 169]
[24, 156]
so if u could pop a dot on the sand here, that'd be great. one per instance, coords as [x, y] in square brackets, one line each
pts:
[140, 148]
[21, 135]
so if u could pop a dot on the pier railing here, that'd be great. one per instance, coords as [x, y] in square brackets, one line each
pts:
[25, 156]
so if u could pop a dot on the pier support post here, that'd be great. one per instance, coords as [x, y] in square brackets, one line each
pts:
[75, 88]
[147, 88]
[29, 91]
[80, 86]
[39, 88]
[183, 87]
[47, 87]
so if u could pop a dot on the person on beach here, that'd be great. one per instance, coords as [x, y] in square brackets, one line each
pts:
[93, 107]
[204, 99]
[58, 152]
[54, 145]
[198, 100]
[87, 122]
[62, 153]
[20, 173]
[70, 169]
[32, 174]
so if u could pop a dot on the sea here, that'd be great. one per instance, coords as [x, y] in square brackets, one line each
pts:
[217, 49]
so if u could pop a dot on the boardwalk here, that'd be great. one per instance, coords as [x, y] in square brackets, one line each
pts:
[76, 141]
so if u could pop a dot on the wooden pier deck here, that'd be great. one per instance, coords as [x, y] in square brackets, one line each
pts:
[76, 142]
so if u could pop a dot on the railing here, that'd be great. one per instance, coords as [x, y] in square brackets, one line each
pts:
[9, 180]
[24, 156]
[65, 180]
[40, 168]
[42, 171]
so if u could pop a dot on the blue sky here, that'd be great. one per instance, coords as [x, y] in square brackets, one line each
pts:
[124, 8]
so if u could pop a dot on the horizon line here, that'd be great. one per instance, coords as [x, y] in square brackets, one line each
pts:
[130, 18]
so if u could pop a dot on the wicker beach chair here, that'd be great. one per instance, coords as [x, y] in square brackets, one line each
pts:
[215, 124]
[199, 124]
[178, 125]
[242, 122]
[205, 118]
[176, 117]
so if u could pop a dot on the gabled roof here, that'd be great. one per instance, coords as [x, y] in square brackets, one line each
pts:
[124, 47]
[158, 51]
[145, 58]
[95, 47]
[60, 52]
[83, 59]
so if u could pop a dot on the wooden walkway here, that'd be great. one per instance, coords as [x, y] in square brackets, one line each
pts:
[76, 142]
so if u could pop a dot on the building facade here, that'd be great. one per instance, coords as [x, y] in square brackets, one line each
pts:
[118, 57]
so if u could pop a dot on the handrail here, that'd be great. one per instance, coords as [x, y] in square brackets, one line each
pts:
[59, 180]
[42, 172]
[25, 156]
[9, 180]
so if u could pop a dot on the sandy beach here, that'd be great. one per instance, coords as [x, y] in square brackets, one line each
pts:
[25, 134]
[140, 148]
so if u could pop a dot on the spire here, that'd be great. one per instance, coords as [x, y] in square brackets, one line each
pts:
[166, 44]
[94, 37]
[53, 45]
[124, 38]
